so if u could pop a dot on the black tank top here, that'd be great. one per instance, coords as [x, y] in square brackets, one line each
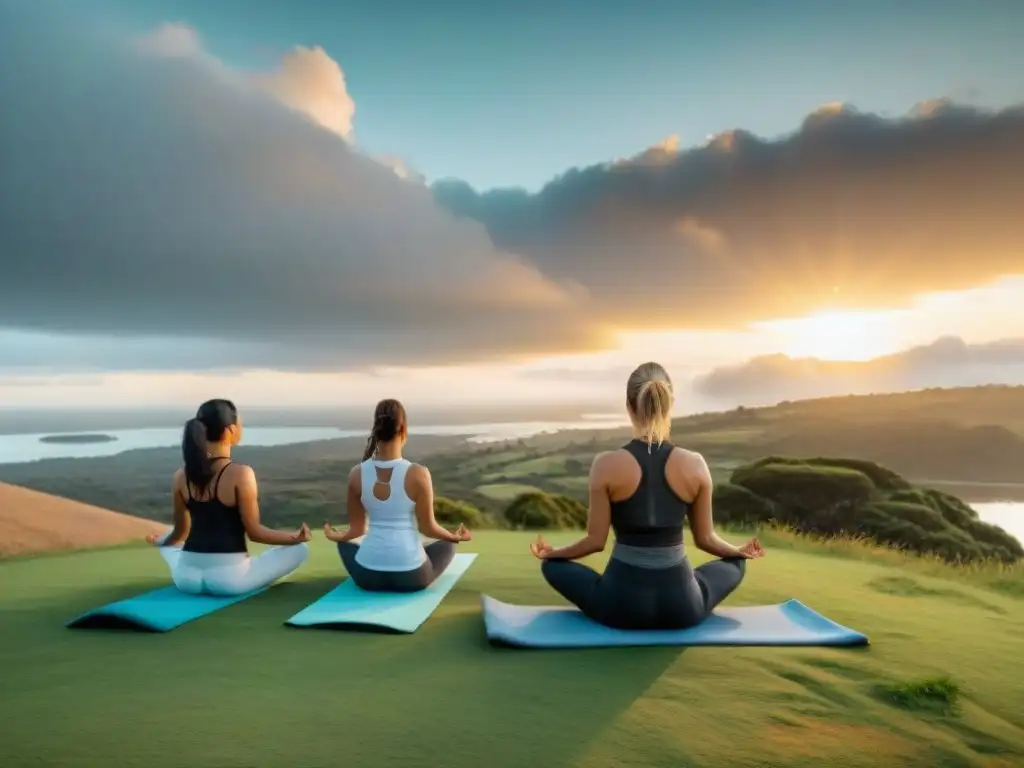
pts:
[654, 515]
[216, 527]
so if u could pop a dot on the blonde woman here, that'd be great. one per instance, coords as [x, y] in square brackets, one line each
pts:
[644, 491]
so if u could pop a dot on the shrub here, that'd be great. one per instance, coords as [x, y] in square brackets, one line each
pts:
[925, 517]
[451, 512]
[880, 476]
[537, 511]
[734, 504]
[840, 496]
[800, 490]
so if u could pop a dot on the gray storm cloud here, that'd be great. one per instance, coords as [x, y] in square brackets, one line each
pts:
[850, 210]
[149, 191]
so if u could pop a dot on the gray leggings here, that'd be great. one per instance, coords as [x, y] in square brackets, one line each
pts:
[439, 556]
[628, 597]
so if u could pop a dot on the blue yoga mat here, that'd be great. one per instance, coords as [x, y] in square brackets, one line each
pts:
[790, 623]
[158, 611]
[348, 606]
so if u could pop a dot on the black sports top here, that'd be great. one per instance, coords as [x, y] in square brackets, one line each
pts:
[216, 527]
[654, 515]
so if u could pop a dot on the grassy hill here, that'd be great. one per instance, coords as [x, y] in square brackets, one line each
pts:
[939, 685]
[31, 521]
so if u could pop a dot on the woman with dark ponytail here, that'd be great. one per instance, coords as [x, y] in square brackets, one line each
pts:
[215, 509]
[645, 492]
[396, 499]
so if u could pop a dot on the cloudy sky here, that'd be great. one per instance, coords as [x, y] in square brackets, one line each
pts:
[330, 206]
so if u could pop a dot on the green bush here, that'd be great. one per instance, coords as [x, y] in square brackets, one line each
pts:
[538, 511]
[840, 496]
[451, 512]
[880, 476]
[800, 490]
[736, 505]
[922, 516]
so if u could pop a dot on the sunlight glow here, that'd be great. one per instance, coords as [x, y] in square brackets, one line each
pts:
[850, 336]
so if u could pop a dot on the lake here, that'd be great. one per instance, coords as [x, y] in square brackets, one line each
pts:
[1008, 515]
[19, 449]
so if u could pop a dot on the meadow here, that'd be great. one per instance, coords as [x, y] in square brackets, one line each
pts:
[938, 686]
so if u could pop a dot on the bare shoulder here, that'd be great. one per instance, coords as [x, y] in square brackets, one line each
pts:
[609, 467]
[418, 474]
[242, 474]
[355, 479]
[689, 462]
[418, 484]
[609, 462]
[178, 481]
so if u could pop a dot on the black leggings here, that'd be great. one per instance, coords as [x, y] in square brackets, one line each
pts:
[628, 597]
[439, 556]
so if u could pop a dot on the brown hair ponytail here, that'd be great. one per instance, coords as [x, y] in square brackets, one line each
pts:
[388, 423]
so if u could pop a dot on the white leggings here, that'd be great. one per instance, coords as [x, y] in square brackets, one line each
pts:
[232, 573]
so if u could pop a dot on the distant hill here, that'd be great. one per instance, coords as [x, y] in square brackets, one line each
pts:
[965, 406]
[31, 522]
[968, 441]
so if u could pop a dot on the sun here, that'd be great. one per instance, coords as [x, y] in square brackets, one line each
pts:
[849, 336]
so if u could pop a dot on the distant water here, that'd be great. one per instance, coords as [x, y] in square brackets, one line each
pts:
[1008, 515]
[19, 449]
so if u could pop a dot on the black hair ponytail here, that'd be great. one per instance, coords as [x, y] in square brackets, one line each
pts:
[209, 425]
[198, 465]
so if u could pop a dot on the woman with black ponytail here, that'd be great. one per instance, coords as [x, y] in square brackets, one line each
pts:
[396, 498]
[215, 509]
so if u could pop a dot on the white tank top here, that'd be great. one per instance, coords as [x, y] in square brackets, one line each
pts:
[392, 541]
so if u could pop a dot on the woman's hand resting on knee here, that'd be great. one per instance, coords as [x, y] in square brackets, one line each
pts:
[462, 533]
[540, 548]
[302, 534]
[751, 550]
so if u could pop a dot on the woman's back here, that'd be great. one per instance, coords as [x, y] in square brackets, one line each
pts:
[216, 522]
[647, 512]
[392, 541]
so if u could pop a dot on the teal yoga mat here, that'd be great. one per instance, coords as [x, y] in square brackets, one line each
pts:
[158, 611]
[787, 624]
[349, 607]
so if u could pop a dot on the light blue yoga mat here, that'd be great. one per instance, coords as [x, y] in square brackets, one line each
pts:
[158, 611]
[790, 623]
[348, 606]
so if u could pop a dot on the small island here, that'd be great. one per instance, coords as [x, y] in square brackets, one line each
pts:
[77, 439]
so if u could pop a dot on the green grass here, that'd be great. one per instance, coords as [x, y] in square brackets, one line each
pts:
[239, 689]
[504, 491]
[940, 694]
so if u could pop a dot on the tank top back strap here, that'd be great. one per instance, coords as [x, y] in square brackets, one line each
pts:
[397, 481]
[216, 482]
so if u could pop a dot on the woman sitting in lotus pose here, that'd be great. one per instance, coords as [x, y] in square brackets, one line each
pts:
[215, 509]
[644, 491]
[396, 498]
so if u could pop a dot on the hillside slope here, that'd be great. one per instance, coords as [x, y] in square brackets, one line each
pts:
[31, 521]
[328, 698]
